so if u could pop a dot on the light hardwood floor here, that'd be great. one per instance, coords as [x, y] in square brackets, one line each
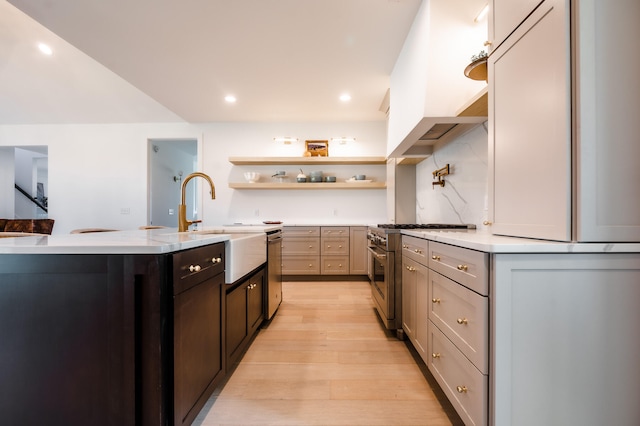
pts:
[325, 359]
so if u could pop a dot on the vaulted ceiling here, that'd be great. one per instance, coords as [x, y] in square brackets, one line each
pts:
[169, 60]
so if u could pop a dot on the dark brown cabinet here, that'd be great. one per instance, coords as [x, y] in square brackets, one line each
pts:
[244, 314]
[100, 339]
[72, 344]
[198, 280]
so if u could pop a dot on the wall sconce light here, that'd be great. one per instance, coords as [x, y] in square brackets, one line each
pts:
[343, 140]
[483, 12]
[285, 140]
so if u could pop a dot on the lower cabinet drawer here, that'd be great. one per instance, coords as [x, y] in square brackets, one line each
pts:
[300, 265]
[463, 316]
[335, 265]
[335, 246]
[465, 386]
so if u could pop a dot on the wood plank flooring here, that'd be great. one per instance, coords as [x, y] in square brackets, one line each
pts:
[325, 359]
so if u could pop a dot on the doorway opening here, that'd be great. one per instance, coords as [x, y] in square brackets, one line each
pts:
[170, 161]
[24, 182]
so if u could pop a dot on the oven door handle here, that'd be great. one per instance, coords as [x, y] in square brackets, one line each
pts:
[376, 254]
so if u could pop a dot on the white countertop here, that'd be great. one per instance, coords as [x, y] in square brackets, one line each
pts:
[153, 241]
[490, 243]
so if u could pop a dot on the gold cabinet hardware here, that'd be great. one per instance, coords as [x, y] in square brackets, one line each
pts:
[463, 268]
[216, 260]
[194, 268]
[487, 43]
[310, 246]
[310, 265]
[487, 223]
[405, 246]
[410, 268]
[462, 321]
[328, 245]
[434, 257]
[435, 300]
[461, 389]
[418, 251]
[435, 355]
[340, 246]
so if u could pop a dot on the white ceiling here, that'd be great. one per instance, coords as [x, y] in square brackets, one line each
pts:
[170, 60]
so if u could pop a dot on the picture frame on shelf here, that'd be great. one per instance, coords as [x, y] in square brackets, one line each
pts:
[317, 148]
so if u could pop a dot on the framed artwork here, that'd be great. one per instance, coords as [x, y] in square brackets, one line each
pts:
[317, 148]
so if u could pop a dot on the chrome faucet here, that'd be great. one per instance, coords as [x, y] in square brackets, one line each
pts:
[183, 223]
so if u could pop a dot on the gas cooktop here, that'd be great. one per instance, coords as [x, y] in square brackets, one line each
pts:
[425, 226]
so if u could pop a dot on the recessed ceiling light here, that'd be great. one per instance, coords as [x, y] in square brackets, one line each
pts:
[345, 97]
[45, 49]
[230, 98]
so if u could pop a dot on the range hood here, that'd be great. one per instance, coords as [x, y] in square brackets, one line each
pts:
[429, 131]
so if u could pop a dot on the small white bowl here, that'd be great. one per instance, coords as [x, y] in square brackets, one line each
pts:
[252, 177]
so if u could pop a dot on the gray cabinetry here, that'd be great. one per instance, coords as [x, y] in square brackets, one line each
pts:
[324, 250]
[459, 328]
[415, 293]
[301, 250]
[562, 101]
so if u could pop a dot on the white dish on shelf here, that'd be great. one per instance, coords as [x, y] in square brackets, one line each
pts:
[351, 180]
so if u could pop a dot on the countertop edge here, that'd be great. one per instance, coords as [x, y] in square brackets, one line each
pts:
[490, 243]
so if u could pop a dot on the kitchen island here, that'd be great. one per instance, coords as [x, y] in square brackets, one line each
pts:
[119, 328]
[528, 332]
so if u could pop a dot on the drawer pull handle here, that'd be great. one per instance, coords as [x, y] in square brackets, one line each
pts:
[418, 251]
[310, 265]
[310, 246]
[405, 246]
[435, 300]
[410, 268]
[463, 268]
[216, 260]
[194, 268]
[328, 245]
[434, 257]
[462, 321]
[461, 389]
[435, 355]
[339, 246]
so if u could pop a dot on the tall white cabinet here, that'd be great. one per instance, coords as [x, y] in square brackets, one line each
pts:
[563, 149]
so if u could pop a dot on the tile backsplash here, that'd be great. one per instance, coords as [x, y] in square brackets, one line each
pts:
[463, 199]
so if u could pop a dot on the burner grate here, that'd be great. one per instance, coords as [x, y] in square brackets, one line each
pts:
[425, 226]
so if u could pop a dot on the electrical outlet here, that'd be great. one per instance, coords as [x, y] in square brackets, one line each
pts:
[171, 213]
[125, 210]
[257, 212]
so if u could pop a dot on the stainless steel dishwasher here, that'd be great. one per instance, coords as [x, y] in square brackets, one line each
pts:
[273, 292]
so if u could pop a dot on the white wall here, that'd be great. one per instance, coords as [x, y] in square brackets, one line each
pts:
[98, 171]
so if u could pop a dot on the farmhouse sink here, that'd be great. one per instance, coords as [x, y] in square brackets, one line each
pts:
[244, 252]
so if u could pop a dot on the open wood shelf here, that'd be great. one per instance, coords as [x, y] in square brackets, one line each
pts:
[266, 161]
[308, 185]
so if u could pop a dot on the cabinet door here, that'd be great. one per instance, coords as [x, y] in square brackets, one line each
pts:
[505, 16]
[236, 322]
[197, 346]
[358, 255]
[409, 280]
[530, 128]
[255, 300]
[608, 172]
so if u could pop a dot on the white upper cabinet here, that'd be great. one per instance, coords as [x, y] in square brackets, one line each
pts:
[428, 85]
[564, 103]
[505, 16]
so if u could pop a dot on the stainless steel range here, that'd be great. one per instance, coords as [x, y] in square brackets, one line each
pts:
[385, 267]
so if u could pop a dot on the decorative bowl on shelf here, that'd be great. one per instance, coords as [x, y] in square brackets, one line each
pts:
[252, 177]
